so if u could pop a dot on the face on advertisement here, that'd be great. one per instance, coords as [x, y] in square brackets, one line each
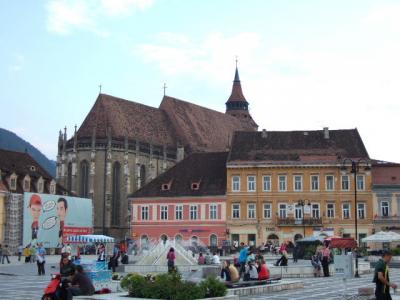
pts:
[62, 207]
[35, 211]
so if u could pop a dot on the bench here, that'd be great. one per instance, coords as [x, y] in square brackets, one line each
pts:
[242, 283]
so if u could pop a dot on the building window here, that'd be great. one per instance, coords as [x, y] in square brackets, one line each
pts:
[251, 211]
[345, 183]
[236, 183]
[179, 212]
[40, 185]
[346, 210]
[193, 212]
[13, 183]
[213, 240]
[330, 182]
[27, 185]
[282, 183]
[314, 182]
[361, 210]
[267, 211]
[52, 187]
[267, 183]
[235, 211]
[360, 182]
[164, 212]
[298, 212]
[385, 208]
[145, 212]
[213, 211]
[315, 210]
[282, 210]
[330, 210]
[84, 179]
[116, 194]
[251, 183]
[298, 182]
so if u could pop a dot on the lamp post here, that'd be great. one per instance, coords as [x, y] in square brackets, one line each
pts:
[355, 168]
[302, 203]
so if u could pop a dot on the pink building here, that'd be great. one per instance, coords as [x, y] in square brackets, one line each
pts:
[186, 202]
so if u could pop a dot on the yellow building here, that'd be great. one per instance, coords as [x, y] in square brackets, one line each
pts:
[270, 174]
[3, 195]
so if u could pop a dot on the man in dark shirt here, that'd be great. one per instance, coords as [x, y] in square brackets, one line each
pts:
[80, 285]
[381, 277]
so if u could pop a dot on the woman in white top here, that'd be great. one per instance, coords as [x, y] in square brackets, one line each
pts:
[215, 259]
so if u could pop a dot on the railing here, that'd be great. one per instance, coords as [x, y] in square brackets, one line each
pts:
[299, 222]
[387, 220]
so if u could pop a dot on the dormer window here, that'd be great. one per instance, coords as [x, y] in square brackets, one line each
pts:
[52, 187]
[166, 186]
[13, 182]
[33, 168]
[27, 184]
[40, 185]
[195, 186]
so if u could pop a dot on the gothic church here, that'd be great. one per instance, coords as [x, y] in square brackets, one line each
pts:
[121, 145]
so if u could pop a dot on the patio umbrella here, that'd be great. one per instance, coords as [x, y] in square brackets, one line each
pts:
[90, 238]
[311, 239]
[383, 237]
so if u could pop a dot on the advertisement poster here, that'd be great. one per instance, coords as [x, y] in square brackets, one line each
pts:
[49, 219]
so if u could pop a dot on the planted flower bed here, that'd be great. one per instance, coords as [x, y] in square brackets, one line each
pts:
[170, 286]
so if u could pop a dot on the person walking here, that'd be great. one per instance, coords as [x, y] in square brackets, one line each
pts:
[316, 263]
[381, 278]
[27, 254]
[19, 251]
[6, 254]
[171, 259]
[41, 259]
[326, 256]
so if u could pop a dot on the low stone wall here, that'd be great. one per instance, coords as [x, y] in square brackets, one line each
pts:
[207, 270]
[300, 271]
[269, 288]
[120, 296]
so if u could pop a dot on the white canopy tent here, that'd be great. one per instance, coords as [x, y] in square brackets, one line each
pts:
[382, 237]
[90, 238]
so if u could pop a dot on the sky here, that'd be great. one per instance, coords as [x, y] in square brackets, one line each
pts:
[304, 65]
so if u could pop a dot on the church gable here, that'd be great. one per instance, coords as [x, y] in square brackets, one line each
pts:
[127, 119]
[199, 128]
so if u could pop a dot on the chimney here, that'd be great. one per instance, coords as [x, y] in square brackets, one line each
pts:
[326, 133]
[264, 134]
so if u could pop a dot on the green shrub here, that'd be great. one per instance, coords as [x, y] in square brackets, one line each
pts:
[213, 287]
[396, 251]
[135, 284]
[188, 291]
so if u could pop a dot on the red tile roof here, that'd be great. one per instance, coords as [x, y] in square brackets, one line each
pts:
[385, 173]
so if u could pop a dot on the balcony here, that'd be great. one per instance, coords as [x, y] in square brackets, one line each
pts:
[299, 222]
[386, 220]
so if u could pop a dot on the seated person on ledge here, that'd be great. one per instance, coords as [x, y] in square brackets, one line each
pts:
[264, 272]
[80, 285]
[230, 273]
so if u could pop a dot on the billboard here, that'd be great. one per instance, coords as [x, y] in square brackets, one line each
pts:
[49, 219]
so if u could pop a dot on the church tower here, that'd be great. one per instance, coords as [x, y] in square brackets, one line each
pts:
[237, 104]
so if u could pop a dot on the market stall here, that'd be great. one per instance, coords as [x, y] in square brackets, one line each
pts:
[96, 269]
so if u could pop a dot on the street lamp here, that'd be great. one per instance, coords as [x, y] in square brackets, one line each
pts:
[355, 168]
[302, 203]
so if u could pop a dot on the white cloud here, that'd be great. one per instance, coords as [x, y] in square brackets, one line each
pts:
[291, 89]
[384, 16]
[64, 16]
[18, 63]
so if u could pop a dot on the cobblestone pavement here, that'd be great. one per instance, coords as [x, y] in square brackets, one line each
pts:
[20, 281]
[331, 288]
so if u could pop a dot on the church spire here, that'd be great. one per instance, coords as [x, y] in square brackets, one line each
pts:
[237, 104]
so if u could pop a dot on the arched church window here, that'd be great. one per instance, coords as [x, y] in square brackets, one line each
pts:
[142, 175]
[69, 177]
[116, 196]
[84, 176]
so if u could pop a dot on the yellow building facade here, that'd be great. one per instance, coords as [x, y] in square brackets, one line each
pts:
[285, 185]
